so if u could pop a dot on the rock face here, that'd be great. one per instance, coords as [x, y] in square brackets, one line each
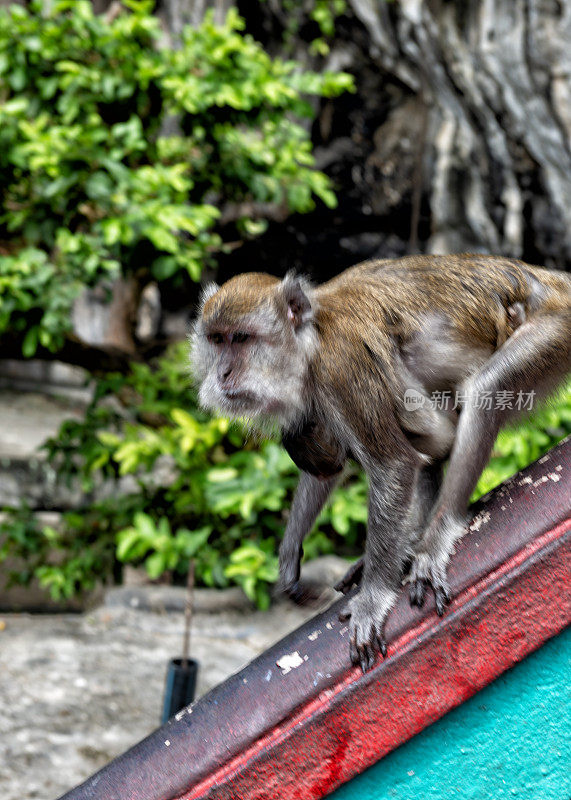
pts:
[457, 139]
[104, 316]
[497, 80]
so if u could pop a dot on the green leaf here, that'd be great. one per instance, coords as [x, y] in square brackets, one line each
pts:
[145, 525]
[162, 238]
[108, 439]
[222, 474]
[164, 267]
[130, 546]
[155, 565]
[190, 542]
[30, 343]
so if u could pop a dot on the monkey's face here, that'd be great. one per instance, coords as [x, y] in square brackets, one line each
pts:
[251, 347]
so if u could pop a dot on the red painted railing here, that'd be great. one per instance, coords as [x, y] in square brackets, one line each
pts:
[269, 733]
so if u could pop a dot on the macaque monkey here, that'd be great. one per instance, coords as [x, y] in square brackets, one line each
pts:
[334, 365]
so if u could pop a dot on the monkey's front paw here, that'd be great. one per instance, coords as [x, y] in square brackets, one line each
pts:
[303, 593]
[424, 572]
[367, 613]
[351, 578]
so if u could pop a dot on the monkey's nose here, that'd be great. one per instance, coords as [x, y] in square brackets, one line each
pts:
[224, 372]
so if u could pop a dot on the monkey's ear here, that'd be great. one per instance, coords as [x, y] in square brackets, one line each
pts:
[299, 310]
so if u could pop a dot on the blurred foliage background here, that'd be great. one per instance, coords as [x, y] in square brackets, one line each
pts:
[135, 162]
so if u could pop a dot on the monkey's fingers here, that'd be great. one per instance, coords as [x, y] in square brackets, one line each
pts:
[365, 653]
[362, 654]
[381, 643]
[369, 655]
[353, 650]
[442, 598]
[417, 592]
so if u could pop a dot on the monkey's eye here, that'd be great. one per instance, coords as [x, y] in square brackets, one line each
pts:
[215, 338]
[240, 337]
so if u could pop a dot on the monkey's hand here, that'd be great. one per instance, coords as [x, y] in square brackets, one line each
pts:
[367, 613]
[428, 571]
[303, 593]
[351, 578]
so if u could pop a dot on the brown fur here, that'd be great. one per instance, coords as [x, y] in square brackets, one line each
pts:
[238, 297]
[473, 290]
[371, 311]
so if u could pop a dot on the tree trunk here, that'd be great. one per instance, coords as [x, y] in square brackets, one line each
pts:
[495, 76]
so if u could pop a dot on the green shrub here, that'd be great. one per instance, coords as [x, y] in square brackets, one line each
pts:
[91, 185]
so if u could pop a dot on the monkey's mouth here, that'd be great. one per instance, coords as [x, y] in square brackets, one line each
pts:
[246, 403]
[238, 398]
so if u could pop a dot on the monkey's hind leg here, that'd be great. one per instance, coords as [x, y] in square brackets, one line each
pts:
[534, 360]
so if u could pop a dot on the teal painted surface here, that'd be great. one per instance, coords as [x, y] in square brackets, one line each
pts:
[511, 740]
